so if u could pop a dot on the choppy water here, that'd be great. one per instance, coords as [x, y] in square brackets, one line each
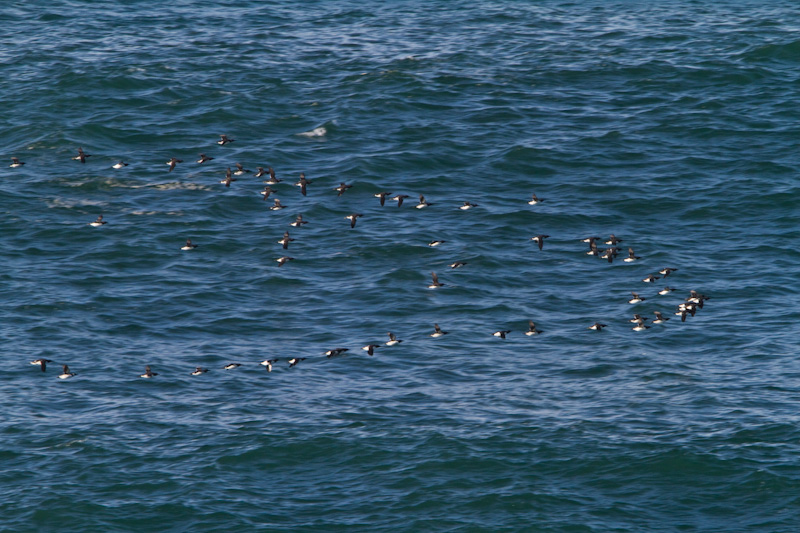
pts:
[672, 125]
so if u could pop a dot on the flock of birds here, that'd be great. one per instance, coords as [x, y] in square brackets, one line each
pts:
[692, 303]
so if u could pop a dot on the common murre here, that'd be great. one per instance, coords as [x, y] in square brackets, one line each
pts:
[539, 239]
[188, 245]
[41, 363]
[501, 333]
[422, 203]
[148, 373]
[298, 222]
[535, 200]
[272, 179]
[631, 256]
[240, 170]
[285, 240]
[399, 199]
[66, 374]
[467, 205]
[283, 260]
[303, 183]
[294, 360]
[382, 196]
[223, 140]
[636, 298]
[597, 326]
[650, 278]
[370, 348]
[335, 352]
[437, 332]
[199, 371]
[99, 222]
[342, 188]
[277, 205]
[532, 329]
[204, 158]
[660, 319]
[119, 165]
[667, 271]
[81, 156]
[268, 363]
[231, 366]
[172, 162]
[393, 340]
[15, 163]
[434, 244]
[352, 218]
[435, 283]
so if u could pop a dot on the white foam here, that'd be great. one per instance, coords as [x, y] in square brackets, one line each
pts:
[316, 132]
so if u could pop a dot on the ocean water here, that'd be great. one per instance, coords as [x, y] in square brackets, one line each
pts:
[672, 125]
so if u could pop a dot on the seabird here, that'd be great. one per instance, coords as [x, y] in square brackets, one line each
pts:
[631, 256]
[667, 271]
[593, 249]
[189, 245]
[659, 318]
[267, 191]
[199, 371]
[638, 319]
[352, 218]
[502, 333]
[590, 240]
[66, 374]
[335, 352]
[231, 366]
[228, 178]
[539, 239]
[223, 140]
[532, 329]
[294, 360]
[392, 340]
[467, 205]
[636, 298]
[268, 364]
[597, 326]
[81, 156]
[240, 170]
[99, 222]
[382, 196]
[298, 222]
[277, 205]
[608, 253]
[285, 240]
[640, 327]
[422, 203]
[121, 164]
[204, 158]
[613, 240]
[665, 290]
[370, 348]
[457, 264]
[437, 332]
[650, 278]
[282, 260]
[42, 363]
[399, 199]
[272, 179]
[535, 200]
[341, 188]
[15, 163]
[172, 162]
[261, 172]
[147, 373]
[435, 283]
[302, 183]
[434, 244]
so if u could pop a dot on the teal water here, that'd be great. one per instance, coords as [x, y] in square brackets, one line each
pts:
[671, 125]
